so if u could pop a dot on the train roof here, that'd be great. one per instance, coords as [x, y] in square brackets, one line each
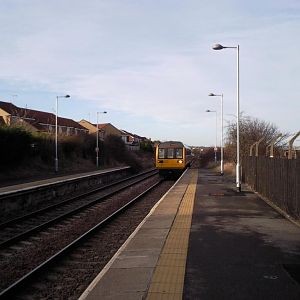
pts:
[171, 144]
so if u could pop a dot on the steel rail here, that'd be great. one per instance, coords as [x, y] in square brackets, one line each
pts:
[9, 291]
[31, 231]
[45, 209]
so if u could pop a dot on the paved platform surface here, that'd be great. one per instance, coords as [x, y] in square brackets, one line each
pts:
[53, 180]
[238, 246]
[153, 258]
[204, 240]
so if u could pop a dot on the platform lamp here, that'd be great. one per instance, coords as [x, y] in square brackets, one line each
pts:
[215, 149]
[56, 115]
[238, 180]
[97, 137]
[222, 139]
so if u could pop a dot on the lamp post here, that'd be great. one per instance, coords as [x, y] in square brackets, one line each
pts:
[56, 113]
[97, 137]
[238, 180]
[222, 140]
[216, 133]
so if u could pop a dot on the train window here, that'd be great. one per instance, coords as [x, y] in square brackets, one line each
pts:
[161, 153]
[178, 153]
[170, 153]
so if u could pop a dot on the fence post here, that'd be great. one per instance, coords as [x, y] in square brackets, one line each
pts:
[271, 145]
[251, 149]
[291, 142]
[255, 173]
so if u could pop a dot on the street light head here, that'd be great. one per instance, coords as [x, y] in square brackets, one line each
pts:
[211, 94]
[105, 112]
[217, 47]
[208, 110]
[65, 96]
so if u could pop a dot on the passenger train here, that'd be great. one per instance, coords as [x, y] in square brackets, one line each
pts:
[172, 158]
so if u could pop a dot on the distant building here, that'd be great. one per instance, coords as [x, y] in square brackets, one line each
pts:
[38, 121]
[131, 140]
[104, 129]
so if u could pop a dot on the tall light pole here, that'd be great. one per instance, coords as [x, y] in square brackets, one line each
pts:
[97, 137]
[238, 180]
[216, 133]
[56, 114]
[222, 140]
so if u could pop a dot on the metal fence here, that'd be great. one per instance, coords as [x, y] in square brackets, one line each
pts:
[276, 179]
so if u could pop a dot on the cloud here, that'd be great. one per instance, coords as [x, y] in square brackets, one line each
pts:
[155, 60]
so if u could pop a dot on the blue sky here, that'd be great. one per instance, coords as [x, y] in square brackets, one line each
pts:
[150, 63]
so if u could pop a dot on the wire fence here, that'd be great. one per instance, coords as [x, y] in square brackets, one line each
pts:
[276, 179]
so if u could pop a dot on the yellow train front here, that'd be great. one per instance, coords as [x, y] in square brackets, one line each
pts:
[171, 158]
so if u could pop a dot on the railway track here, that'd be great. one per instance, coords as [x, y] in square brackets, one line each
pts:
[19, 228]
[53, 238]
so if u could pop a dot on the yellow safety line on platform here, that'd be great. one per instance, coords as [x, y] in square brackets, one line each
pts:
[168, 278]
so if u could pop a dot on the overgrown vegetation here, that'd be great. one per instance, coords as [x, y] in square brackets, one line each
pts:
[15, 146]
[115, 151]
[21, 149]
[203, 157]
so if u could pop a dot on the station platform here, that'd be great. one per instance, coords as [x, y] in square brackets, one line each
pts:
[205, 240]
[54, 180]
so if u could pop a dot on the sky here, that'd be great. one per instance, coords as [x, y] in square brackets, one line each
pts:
[150, 63]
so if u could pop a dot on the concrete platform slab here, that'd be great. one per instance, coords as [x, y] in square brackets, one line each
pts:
[130, 271]
[136, 259]
[239, 246]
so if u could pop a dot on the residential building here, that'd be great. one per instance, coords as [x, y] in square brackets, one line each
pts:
[105, 129]
[38, 121]
[131, 140]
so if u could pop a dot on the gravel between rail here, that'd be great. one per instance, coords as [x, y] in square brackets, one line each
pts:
[22, 259]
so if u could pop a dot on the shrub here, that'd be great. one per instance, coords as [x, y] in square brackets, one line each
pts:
[147, 146]
[115, 149]
[15, 146]
[44, 147]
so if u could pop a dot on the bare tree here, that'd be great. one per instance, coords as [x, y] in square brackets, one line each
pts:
[251, 130]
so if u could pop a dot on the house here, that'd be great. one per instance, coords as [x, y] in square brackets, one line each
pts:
[104, 129]
[38, 121]
[128, 138]
[131, 140]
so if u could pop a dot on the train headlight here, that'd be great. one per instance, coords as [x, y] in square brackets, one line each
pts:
[180, 161]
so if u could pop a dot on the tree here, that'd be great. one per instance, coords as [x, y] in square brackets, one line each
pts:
[251, 130]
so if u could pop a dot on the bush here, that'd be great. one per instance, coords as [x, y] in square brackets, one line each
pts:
[15, 146]
[44, 147]
[21, 149]
[207, 156]
[147, 146]
[115, 150]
